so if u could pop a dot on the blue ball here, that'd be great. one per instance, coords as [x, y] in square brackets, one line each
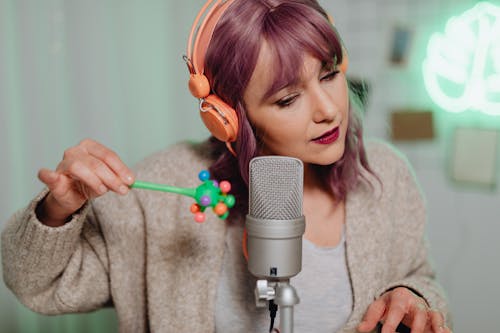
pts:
[204, 175]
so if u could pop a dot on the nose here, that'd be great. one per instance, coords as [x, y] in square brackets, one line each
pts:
[324, 107]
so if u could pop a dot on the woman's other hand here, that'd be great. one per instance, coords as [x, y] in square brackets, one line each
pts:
[401, 305]
[87, 170]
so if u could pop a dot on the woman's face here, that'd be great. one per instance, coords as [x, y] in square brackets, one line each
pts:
[308, 119]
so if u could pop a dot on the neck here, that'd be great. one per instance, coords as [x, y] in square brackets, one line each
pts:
[324, 213]
[314, 184]
[311, 179]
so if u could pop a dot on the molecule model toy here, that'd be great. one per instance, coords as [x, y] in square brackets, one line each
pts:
[210, 193]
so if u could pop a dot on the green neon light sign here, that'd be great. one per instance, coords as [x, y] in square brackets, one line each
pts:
[462, 67]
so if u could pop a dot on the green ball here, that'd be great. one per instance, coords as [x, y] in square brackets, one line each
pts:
[230, 201]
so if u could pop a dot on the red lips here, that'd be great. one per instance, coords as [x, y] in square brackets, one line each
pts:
[328, 137]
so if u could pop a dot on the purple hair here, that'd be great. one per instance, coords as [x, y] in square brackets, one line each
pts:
[292, 28]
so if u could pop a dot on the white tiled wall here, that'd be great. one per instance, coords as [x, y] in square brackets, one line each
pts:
[464, 223]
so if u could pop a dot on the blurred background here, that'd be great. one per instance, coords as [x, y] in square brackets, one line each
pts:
[112, 70]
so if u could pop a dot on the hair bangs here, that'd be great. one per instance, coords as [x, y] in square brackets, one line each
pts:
[292, 30]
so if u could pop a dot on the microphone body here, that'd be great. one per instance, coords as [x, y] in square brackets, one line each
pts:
[275, 222]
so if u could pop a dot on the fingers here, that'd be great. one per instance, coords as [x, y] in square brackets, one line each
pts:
[48, 177]
[373, 315]
[55, 181]
[420, 317]
[401, 305]
[395, 315]
[437, 322]
[60, 202]
[110, 158]
[97, 167]
[88, 172]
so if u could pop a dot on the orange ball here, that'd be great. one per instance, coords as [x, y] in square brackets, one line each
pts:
[220, 208]
[195, 208]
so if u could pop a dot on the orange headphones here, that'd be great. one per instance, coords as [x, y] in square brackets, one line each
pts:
[220, 119]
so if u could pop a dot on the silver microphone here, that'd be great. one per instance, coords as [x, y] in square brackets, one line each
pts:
[275, 222]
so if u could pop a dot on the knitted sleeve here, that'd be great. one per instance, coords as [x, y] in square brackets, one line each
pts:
[55, 270]
[410, 261]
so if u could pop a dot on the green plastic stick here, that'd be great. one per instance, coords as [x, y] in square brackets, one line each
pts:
[190, 192]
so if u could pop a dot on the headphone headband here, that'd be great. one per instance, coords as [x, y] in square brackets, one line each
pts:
[196, 51]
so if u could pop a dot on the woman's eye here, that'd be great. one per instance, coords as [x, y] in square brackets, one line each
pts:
[329, 76]
[286, 101]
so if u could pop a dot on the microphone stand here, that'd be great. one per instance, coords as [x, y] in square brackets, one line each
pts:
[268, 240]
[275, 225]
[283, 294]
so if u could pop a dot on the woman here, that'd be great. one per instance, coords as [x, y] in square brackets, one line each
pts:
[77, 248]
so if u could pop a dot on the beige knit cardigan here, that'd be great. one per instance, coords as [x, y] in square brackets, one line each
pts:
[143, 253]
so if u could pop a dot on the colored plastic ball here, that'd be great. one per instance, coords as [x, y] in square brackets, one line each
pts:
[199, 217]
[205, 200]
[220, 208]
[229, 200]
[225, 186]
[195, 208]
[204, 175]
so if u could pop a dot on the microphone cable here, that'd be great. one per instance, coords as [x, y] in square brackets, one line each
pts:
[273, 308]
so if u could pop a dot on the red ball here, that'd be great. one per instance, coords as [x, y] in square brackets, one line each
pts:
[225, 186]
[199, 217]
[195, 208]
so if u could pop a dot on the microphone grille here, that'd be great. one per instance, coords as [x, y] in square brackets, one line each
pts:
[276, 187]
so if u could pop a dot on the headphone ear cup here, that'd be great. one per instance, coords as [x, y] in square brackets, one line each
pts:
[199, 85]
[224, 128]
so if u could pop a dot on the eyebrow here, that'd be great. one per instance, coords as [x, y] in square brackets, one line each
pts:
[277, 85]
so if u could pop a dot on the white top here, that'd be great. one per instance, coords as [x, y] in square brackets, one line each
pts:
[323, 286]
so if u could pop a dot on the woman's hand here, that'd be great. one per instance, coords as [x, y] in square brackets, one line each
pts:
[88, 170]
[401, 305]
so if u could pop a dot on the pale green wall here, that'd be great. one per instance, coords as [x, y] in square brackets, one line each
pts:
[111, 70]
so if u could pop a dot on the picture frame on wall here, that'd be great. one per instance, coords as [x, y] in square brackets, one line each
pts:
[474, 157]
[402, 38]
